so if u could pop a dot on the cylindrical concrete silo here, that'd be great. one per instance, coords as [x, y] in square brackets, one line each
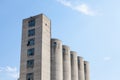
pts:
[81, 75]
[56, 60]
[86, 70]
[66, 63]
[74, 66]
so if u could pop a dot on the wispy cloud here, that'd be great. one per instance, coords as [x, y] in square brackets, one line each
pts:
[1, 69]
[107, 58]
[11, 69]
[82, 8]
[10, 72]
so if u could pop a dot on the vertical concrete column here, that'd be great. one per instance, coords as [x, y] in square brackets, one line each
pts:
[56, 60]
[81, 75]
[66, 63]
[86, 69]
[74, 66]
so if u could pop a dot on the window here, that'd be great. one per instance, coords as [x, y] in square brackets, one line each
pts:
[63, 50]
[31, 42]
[31, 32]
[30, 52]
[71, 56]
[31, 23]
[45, 24]
[85, 67]
[78, 60]
[30, 63]
[54, 43]
[29, 76]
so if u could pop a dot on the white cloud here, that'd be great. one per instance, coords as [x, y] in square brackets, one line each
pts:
[107, 58]
[1, 69]
[10, 72]
[85, 9]
[11, 69]
[65, 3]
[82, 8]
[14, 75]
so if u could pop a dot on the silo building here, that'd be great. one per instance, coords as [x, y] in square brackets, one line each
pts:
[46, 58]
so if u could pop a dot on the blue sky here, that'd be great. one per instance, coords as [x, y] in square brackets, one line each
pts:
[89, 27]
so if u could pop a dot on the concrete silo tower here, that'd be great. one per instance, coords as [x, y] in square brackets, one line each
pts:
[81, 75]
[74, 66]
[86, 69]
[66, 63]
[56, 60]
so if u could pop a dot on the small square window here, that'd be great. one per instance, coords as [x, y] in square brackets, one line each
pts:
[71, 56]
[31, 42]
[30, 52]
[78, 60]
[85, 67]
[54, 43]
[63, 50]
[30, 63]
[30, 76]
[31, 32]
[45, 24]
[31, 23]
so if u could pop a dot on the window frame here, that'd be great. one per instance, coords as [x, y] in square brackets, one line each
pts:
[30, 76]
[30, 63]
[63, 50]
[31, 23]
[54, 43]
[31, 52]
[31, 42]
[31, 32]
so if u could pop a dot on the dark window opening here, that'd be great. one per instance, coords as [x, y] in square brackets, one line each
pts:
[45, 24]
[30, 52]
[30, 63]
[63, 50]
[85, 68]
[54, 43]
[71, 56]
[31, 32]
[31, 42]
[30, 76]
[78, 60]
[31, 23]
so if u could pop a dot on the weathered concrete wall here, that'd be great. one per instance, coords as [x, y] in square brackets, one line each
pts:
[66, 63]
